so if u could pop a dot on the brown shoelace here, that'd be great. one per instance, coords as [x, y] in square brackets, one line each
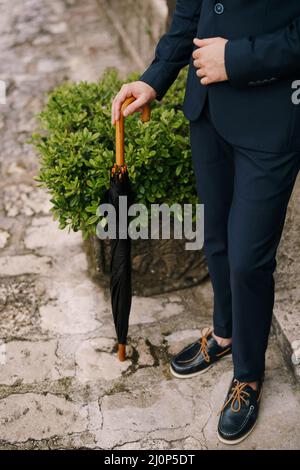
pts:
[204, 344]
[238, 395]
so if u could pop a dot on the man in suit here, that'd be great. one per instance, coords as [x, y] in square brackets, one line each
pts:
[243, 57]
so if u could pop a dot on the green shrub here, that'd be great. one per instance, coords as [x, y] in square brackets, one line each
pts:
[76, 147]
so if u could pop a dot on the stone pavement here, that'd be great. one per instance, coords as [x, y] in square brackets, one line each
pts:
[61, 385]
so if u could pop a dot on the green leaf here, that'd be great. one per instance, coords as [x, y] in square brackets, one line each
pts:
[92, 220]
[178, 170]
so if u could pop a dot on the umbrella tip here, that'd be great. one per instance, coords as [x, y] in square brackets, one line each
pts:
[122, 352]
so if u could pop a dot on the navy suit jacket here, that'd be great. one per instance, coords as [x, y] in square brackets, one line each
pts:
[254, 109]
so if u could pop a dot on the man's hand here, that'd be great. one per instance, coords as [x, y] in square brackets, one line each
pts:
[209, 59]
[143, 93]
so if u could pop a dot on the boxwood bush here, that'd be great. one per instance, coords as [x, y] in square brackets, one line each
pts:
[76, 141]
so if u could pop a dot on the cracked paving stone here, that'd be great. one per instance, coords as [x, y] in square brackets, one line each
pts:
[92, 364]
[129, 416]
[31, 362]
[87, 358]
[75, 307]
[24, 264]
[34, 416]
[150, 310]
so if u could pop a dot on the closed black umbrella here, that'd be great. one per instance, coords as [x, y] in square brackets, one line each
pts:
[120, 283]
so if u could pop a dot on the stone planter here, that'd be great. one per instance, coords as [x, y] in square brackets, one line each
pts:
[158, 265]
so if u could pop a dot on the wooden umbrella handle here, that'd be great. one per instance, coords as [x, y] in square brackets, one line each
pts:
[122, 352]
[120, 147]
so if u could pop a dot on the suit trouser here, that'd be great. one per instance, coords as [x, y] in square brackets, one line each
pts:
[245, 195]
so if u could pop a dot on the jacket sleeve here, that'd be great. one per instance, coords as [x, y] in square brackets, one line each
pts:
[264, 58]
[174, 49]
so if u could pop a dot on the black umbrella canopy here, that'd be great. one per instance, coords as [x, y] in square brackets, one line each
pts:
[120, 282]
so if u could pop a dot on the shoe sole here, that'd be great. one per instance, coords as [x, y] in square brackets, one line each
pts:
[241, 439]
[189, 376]
[236, 441]
[194, 374]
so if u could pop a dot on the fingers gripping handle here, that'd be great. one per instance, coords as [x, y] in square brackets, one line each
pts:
[120, 147]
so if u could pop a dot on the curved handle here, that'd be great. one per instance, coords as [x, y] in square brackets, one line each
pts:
[120, 147]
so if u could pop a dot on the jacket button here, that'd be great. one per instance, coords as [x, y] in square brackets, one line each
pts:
[219, 8]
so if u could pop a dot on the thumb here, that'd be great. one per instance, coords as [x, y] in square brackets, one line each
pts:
[135, 106]
[204, 42]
